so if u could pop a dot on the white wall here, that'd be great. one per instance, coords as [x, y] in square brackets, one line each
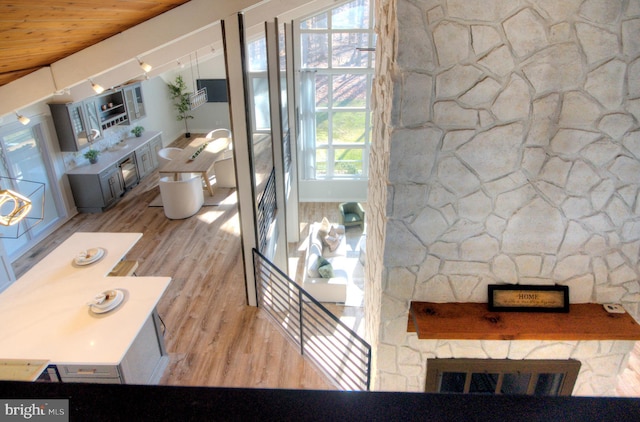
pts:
[333, 190]
[208, 116]
[160, 112]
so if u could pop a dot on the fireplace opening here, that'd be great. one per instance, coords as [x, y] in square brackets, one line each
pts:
[502, 376]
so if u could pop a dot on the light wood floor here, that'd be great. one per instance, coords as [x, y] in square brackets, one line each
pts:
[212, 336]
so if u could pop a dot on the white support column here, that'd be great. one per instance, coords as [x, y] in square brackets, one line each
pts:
[275, 108]
[234, 48]
[293, 225]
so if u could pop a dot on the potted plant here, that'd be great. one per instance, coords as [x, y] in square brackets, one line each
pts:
[92, 155]
[180, 97]
[137, 131]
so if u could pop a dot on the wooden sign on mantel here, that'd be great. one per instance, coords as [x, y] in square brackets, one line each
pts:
[528, 298]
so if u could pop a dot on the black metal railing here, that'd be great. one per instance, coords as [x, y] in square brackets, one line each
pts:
[267, 207]
[336, 350]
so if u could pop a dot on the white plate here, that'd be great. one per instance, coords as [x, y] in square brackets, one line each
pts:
[113, 299]
[89, 256]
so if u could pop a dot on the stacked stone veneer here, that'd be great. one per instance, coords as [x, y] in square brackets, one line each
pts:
[506, 150]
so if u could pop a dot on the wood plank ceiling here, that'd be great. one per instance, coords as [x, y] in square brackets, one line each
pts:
[36, 33]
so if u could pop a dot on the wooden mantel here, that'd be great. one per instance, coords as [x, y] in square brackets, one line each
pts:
[474, 321]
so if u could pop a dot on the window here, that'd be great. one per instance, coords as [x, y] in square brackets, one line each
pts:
[502, 376]
[259, 85]
[338, 62]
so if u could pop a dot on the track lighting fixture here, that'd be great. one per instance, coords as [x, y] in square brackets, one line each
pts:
[97, 88]
[23, 119]
[145, 66]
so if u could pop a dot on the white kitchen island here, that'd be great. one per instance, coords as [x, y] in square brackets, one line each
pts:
[44, 316]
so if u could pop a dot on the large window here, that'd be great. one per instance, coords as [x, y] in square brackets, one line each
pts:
[337, 58]
[259, 84]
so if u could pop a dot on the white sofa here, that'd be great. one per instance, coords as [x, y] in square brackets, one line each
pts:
[332, 289]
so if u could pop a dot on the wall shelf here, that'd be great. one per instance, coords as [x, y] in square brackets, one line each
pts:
[473, 321]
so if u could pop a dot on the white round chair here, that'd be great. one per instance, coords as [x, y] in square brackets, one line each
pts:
[167, 154]
[225, 173]
[181, 198]
[219, 133]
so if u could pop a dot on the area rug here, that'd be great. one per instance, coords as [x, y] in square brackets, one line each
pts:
[220, 196]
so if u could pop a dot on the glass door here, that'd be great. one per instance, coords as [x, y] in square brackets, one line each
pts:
[22, 153]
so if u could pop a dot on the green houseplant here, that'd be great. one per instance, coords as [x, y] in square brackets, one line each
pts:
[92, 155]
[137, 131]
[180, 98]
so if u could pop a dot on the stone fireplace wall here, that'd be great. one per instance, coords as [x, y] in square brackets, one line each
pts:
[506, 150]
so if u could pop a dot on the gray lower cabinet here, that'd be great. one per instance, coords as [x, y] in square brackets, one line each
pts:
[155, 145]
[144, 161]
[147, 156]
[96, 192]
[144, 362]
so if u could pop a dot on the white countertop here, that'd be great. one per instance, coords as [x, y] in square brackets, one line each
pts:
[108, 158]
[45, 315]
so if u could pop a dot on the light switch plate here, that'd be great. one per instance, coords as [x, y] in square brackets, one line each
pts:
[613, 308]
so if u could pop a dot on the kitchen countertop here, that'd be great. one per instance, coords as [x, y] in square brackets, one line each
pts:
[45, 313]
[110, 157]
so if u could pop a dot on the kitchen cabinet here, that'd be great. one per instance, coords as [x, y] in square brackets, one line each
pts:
[93, 119]
[112, 185]
[80, 123]
[155, 146]
[96, 187]
[77, 124]
[147, 156]
[134, 102]
[112, 109]
[144, 160]
[143, 363]
[96, 192]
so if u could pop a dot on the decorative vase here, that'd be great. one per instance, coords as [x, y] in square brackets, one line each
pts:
[138, 135]
[93, 160]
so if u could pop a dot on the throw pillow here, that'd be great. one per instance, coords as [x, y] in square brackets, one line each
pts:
[322, 261]
[313, 264]
[327, 238]
[324, 228]
[326, 271]
[332, 242]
